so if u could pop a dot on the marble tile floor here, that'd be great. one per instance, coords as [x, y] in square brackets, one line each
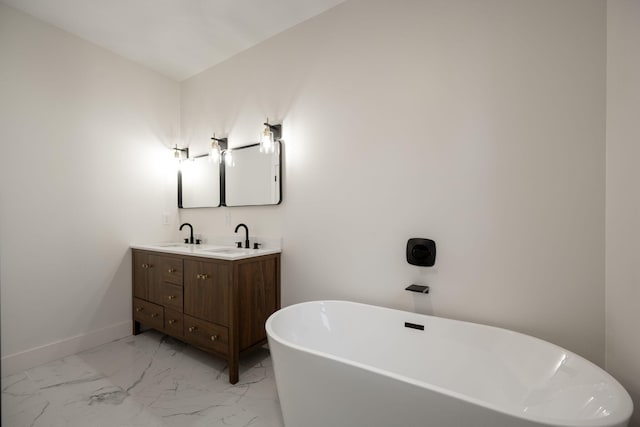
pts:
[146, 380]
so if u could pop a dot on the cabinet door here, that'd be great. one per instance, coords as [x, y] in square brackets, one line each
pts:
[207, 290]
[141, 275]
[155, 275]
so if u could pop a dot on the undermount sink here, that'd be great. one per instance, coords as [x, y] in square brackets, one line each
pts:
[229, 251]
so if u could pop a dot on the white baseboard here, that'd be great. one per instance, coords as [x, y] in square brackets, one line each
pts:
[17, 362]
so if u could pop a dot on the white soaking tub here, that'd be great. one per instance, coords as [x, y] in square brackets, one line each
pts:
[344, 364]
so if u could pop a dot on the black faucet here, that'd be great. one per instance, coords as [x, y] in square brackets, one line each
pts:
[246, 230]
[191, 234]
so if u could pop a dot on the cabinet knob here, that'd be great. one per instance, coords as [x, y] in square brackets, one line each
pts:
[202, 276]
[144, 265]
[154, 315]
[214, 337]
[171, 270]
[138, 309]
[171, 297]
[192, 329]
[171, 321]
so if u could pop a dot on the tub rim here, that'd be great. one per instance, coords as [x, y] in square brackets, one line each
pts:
[626, 401]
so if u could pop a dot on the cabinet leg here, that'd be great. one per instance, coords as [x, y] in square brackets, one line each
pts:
[136, 328]
[233, 370]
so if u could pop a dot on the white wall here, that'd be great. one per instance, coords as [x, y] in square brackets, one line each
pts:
[623, 198]
[84, 137]
[480, 124]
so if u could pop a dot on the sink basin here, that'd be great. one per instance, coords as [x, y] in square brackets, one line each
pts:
[229, 251]
[173, 245]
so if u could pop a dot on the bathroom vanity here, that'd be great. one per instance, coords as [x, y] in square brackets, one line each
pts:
[216, 299]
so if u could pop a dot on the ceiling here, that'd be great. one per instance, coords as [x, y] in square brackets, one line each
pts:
[178, 38]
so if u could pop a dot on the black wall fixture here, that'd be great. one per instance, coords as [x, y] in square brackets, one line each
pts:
[421, 252]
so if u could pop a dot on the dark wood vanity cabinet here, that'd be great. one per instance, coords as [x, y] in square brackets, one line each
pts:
[217, 305]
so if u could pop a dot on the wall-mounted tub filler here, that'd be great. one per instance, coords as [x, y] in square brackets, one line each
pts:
[422, 289]
[376, 367]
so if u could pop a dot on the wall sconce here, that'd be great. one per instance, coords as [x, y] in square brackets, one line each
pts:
[270, 135]
[177, 153]
[218, 145]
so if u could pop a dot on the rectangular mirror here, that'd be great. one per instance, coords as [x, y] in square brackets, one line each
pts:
[254, 178]
[199, 183]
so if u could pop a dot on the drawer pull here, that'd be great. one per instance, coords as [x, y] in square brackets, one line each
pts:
[144, 265]
[172, 270]
[171, 321]
[202, 276]
[139, 309]
[214, 337]
[171, 297]
[192, 329]
[154, 315]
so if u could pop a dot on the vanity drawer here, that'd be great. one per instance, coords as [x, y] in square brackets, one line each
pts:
[205, 334]
[171, 296]
[172, 270]
[148, 313]
[173, 322]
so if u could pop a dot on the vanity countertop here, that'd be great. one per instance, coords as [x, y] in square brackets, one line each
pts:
[206, 250]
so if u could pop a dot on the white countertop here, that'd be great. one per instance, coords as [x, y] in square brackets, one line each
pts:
[207, 251]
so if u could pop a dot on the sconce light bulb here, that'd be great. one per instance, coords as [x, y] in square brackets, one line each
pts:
[228, 158]
[266, 144]
[214, 154]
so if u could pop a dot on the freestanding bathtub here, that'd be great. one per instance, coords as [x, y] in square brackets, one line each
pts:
[344, 364]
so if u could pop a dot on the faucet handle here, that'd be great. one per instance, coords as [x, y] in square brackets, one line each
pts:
[186, 240]
[256, 245]
[238, 244]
